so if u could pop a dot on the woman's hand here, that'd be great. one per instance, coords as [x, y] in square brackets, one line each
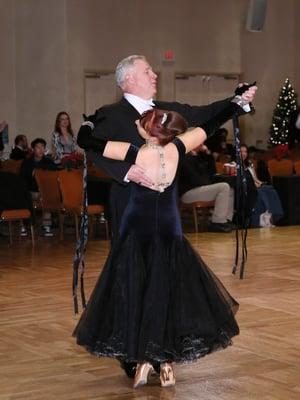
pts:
[141, 130]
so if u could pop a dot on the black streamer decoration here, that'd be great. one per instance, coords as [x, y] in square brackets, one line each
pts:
[242, 217]
[78, 263]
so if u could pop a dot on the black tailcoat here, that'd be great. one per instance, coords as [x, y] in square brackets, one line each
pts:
[119, 124]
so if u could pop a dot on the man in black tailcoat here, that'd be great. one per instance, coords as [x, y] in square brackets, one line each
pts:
[138, 83]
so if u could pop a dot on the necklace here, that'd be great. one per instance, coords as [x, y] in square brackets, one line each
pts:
[162, 184]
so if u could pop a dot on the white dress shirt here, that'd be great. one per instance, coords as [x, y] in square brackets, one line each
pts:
[141, 105]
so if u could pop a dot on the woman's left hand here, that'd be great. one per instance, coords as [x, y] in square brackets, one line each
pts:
[141, 130]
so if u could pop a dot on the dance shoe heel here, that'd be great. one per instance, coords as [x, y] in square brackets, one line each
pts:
[167, 377]
[142, 374]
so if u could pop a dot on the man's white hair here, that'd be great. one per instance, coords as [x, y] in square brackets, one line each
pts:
[124, 66]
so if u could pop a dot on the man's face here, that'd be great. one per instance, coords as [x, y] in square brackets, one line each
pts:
[142, 80]
[64, 121]
[39, 151]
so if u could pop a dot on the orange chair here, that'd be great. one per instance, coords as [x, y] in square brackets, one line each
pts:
[282, 167]
[263, 156]
[295, 155]
[13, 166]
[17, 215]
[297, 167]
[71, 187]
[50, 199]
[202, 208]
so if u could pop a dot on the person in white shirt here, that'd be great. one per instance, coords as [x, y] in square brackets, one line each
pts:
[138, 82]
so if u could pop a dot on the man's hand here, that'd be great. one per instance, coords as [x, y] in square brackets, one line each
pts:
[141, 130]
[246, 91]
[137, 174]
[249, 94]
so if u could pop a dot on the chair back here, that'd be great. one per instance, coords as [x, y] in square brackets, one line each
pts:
[12, 166]
[47, 182]
[295, 155]
[71, 187]
[280, 167]
[297, 167]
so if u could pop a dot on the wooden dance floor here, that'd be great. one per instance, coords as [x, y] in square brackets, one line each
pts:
[39, 359]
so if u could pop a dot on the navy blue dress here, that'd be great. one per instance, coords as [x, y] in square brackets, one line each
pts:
[155, 299]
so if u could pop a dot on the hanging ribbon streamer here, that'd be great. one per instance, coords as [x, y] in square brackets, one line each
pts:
[242, 218]
[78, 263]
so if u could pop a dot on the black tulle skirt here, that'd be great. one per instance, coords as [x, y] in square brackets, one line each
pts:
[157, 303]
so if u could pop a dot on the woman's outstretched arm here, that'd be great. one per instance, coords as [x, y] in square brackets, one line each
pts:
[109, 149]
[192, 138]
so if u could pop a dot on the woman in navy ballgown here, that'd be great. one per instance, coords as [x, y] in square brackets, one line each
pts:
[156, 301]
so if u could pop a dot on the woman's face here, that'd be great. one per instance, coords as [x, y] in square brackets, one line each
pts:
[244, 153]
[64, 121]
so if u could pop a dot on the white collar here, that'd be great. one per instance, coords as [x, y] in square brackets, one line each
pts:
[141, 105]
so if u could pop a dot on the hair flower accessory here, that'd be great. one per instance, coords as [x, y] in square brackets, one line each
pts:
[164, 118]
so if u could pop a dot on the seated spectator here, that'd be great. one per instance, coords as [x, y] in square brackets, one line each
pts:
[20, 150]
[267, 209]
[219, 146]
[63, 138]
[195, 185]
[36, 161]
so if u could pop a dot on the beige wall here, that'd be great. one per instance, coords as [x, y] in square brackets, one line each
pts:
[297, 48]
[41, 77]
[47, 45]
[99, 35]
[269, 57]
[7, 70]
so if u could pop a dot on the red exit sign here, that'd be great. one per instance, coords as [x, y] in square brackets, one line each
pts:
[169, 55]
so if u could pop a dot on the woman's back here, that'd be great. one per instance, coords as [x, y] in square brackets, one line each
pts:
[160, 164]
[154, 212]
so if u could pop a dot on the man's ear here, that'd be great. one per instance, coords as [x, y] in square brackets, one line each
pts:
[129, 79]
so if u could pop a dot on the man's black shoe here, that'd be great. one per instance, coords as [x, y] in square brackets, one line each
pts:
[220, 228]
[129, 368]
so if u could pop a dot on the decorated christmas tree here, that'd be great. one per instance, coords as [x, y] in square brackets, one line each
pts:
[287, 104]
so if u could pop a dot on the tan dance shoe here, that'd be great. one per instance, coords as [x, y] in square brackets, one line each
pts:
[143, 371]
[167, 376]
